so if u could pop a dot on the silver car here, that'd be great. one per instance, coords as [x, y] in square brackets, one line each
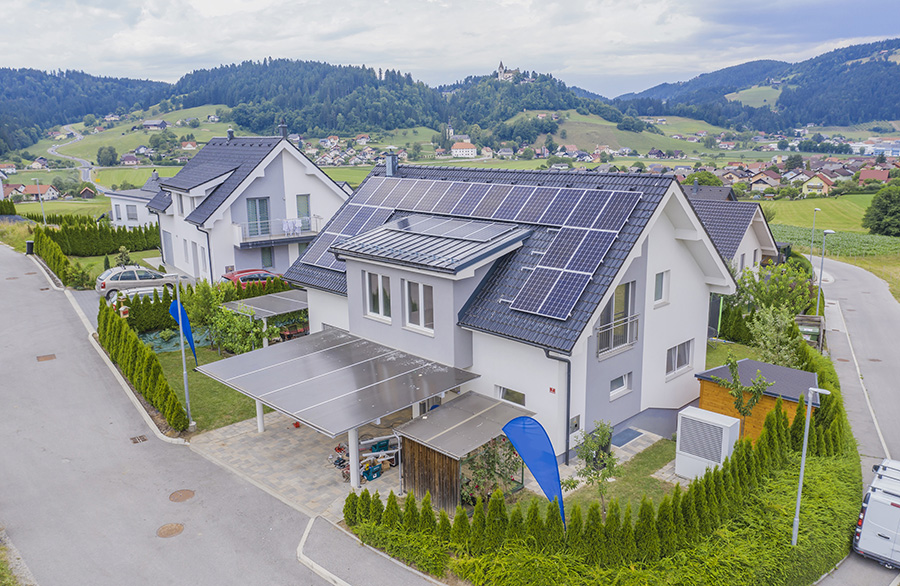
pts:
[116, 279]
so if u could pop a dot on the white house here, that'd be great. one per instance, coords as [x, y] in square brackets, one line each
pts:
[240, 203]
[582, 297]
[465, 150]
[739, 230]
[128, 207]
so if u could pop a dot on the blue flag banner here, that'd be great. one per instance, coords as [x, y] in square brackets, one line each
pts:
[185, 325]
[533, 444]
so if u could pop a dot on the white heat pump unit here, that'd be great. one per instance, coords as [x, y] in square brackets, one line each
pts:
[704, 440]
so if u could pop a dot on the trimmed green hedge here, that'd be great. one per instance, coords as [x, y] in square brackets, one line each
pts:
[46, 248]
[95, 239]
[60, 219]
[7, 207]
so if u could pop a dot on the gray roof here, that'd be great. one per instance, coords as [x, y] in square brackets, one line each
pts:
[406, 242]
[146, 192]
[710, 192]
[488, 309]
[789, 384]
[238, 156]
[271, 305]
[726, 222]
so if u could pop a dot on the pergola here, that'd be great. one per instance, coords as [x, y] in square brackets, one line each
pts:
[271, 305]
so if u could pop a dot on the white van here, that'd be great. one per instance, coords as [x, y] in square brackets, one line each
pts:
[878, 528]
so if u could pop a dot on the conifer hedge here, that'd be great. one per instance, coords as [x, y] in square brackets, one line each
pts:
[92, 239]
[139, 364]
[46, 248]
[7, 207]
[60, 219]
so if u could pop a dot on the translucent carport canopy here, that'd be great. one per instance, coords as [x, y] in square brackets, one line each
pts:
[334, 381]
[266, 306]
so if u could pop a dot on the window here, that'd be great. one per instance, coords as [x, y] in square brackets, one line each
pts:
[679, 357]
[618, 321]
[742, 261]
[185, 250]
[131, 210]
[267, 255]
[420, 305]
[118, 213]
[661, 287]
[755, 256]
[258, 216]
[203, 259]
[511, 396]
[378, 293]
[180, 204]
[303, 210]
[619, 386]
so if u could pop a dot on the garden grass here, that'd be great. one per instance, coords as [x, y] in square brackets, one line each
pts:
[94, 264]
[213, 405]
[842, 214]
[15, 234]
[86, 207]
[108, 177]
[717, 353]
[886, 267]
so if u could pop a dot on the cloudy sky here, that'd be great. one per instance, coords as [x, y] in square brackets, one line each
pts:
[607, 46]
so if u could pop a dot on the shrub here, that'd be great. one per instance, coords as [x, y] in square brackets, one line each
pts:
[350, 509]
[534, 526]
[476, 531]
[574, 530]
[427, 521]
[392, 516]
[362, 507]
[497, 520]
[376, 508]
[459, 534]
[555, 538]
[646, 533]
[444, 528]
[594, 545]
[410, 514]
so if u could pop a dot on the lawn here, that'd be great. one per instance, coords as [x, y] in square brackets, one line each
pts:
[886, 267]
[685, 126]
[15, 234]
[352, 175]
[27, 176]
[94, 264]
[88, 207]
[717, 353]
[213, 405]
[6, 576]
[115, 176]
[756, 96]
[843, 214]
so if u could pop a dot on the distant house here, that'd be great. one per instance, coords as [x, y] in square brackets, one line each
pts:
[212, 118]
[13, 189]
[111, 118]
[87, 193]
[39, 163]
[818, 184]
[129, 160]
[155, 124]
[362, 139]
[8, 168]
[877, 174]
[505, 152]
[696, 191]
[129, 206]
[189, 146]
[333, 140]
[487, 152]
[464, 150]
[46, 192]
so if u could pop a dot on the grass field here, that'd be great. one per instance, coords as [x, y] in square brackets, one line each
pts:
[27, 176]
[843, 213]
[352, 175]
[108, 177]
[861, 131]
[717, 353]
[756, 96]
[685, 126]
[94, 264]
[89, 207]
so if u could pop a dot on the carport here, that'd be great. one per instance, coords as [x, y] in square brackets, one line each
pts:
[335, 382]
[271, 305]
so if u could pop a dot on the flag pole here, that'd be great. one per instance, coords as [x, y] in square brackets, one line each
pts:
[187, 395]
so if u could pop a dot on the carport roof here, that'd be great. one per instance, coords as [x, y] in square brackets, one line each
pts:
[334, 381]
[270, 305]
[462, 425]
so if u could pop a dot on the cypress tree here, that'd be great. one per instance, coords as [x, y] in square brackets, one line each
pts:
[350, 509]
[376, 509]
[427, 521]
[712, 501]
[678, 522]
[105, 262]
[646, 534]
[392, 518]
[516, 527]
[798, 424]
[593, 541]
[722, 496]
[476, 531]
[443, 526]
[665, 528]
[691, 517]
[459, 534]
[629, 548]
[574, 530]
[836, 443]
[556, 538]
[613, 530]
[362, 506]
[497, 520]
[829, 446]
[820, 441]
[410, 514]
[753, 471]
[534, 526]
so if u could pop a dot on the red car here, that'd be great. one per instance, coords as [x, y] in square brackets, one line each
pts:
[249, 276]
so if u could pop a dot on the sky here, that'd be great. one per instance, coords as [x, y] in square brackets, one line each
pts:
[607, 46]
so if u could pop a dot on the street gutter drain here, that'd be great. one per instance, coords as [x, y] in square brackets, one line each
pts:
[31, 273]
[138, 439]
[179, 496]
[170, 530]
[46, 357]
[843, 360]
[45, 288]
[874, 359]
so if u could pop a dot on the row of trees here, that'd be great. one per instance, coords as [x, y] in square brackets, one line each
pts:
[94, 239]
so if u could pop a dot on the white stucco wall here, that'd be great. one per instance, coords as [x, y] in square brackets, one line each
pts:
[144, 216]
[326, 308]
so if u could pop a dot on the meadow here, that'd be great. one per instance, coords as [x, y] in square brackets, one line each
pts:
[110, 176]
[842, 214]
[756, 96]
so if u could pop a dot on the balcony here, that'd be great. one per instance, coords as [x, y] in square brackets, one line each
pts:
[622, 333]
[276, 231]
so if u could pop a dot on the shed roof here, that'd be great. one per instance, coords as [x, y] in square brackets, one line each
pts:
[789, 383]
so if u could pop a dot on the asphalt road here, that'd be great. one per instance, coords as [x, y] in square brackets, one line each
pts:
[81, 501]
[84, 166]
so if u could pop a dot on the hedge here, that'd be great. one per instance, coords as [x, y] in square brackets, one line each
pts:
[94, 239]
[139, 364]
[53, 256]
[7, 207]
[60, 219]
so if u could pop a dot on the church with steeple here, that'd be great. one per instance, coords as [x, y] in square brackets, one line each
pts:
[504, 74]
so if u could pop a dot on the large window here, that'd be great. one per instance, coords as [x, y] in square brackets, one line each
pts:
[303, 211]
[679, 357]
[267, 259]
[378, 295]
[420, 305]
[258, 216]
[131, 210]
[618, 321]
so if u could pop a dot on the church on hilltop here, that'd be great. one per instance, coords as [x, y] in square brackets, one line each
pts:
[504, 74]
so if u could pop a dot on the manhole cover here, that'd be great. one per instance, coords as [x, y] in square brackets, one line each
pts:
[874, 359]
[138, 439]
[179, 496]
[170, 530]
[46, 357]
[842, 360]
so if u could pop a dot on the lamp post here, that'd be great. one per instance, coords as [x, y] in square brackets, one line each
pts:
[812, 391]
[40, 199]
[821, 268]
[812, 238]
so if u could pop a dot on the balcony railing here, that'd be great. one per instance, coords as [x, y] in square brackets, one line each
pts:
[277, 228]
[620, 333]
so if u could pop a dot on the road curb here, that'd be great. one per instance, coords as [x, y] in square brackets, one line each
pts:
[317, 569]
[17, 564]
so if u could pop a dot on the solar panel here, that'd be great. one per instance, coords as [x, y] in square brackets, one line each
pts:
[537, 204]
[415, 194]
[387, 185]
[533, 294]
[366, 190]
[513, 202]
[561, 249]
[491, 202]
[377, 219]
[355, 225]
[470, 200]
[397, 195]
[617, 210]
[314, 252]
[591, 251]
[585, 213]
[489, 231]
[342, 218]
[432, 196]
[562, 205]
[450, 198]
[565, 293]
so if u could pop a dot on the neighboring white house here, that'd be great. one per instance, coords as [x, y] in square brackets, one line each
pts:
[739, 230]
[465, 150]
[128, 207]
[241, 203]
[582, 297]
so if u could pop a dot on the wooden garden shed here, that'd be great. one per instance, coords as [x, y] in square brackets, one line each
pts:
[789, 384]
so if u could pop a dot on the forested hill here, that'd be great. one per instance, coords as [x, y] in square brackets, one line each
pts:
[846, 86]
[32, 100]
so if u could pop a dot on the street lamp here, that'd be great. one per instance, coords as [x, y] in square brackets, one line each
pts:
[40, 199]
[812, 237]
[821, 268]
[812, 391]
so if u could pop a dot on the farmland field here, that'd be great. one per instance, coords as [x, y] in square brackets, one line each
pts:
[756, 96]
[861, 131]
[843, 214]
[352, 175]
[27, 176]
[108, 177]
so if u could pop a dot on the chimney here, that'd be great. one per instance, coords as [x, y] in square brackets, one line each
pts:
[282, 129]
[154, 176]
[390, 165]
[230, 134]
[696, 185]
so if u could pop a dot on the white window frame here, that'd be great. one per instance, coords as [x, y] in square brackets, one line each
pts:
[661, 290]
[511, 395]
[755, 257]
[180, 199]
[743, 262]
[618, 327]
[680, 357]
[383, 310]
[305, 220]
[262, 257]
[131, 212]
[186, 256]
[203, 259]
[118, 213]
[620, 386]
[421, 298]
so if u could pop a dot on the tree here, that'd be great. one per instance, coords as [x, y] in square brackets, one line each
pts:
[646, 534]
[350, 509]
[793, 162]
[784, 285]
[459, 534]
[410, 514]
[703, 178]
[194, 123]
[427, 521]
[362, 505]
[107, 156]
[743, 405]
[123, 258]
[880, 159]
[772, 330]
[574, 530]
[597, 462]
[783, 144]
[89, 121]
[883, 214]
[563, 134]
[497, 520]
[392, 516]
